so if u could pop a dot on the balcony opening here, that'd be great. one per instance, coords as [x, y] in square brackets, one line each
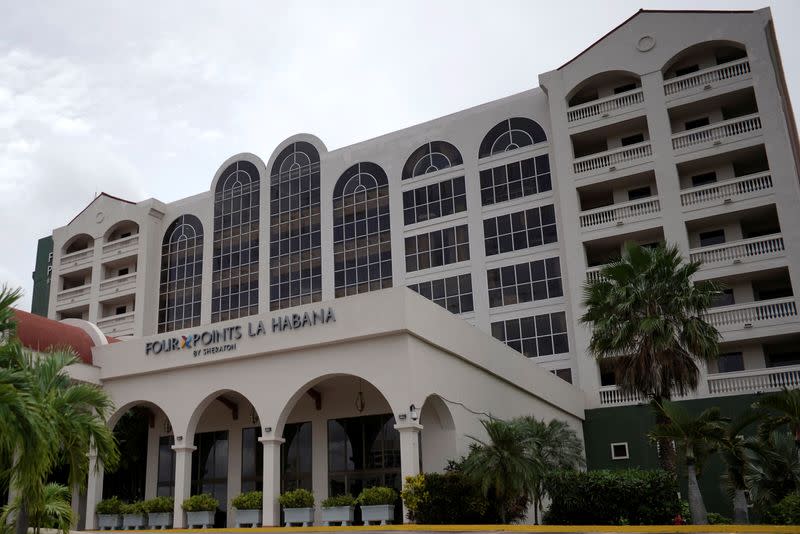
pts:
[606, 250]
[75, 313]
[618, 135]
[121, 230]
[773, 288]
[78, 243]
[117, 306]
[733, 226]
[605, 84]
[120, 267]
[730, 362]
[735, 165]
[625, 189]
[782, 353]
[76, 279]
[703, 56]
[710, 111]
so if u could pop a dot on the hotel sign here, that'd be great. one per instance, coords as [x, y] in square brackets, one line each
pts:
[218, 340]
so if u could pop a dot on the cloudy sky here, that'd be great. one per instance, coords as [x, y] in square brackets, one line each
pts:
[147, 98]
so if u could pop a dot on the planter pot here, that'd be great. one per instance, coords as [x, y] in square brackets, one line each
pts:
[160, 520]
[248, 517]
[382, 513]
[133, 521]
[109, 521]
[338, 514]
[201, 519]
[304, 516]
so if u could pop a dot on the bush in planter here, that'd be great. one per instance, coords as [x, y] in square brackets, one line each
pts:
[299, 498]
[200, 503]
[338, 501]
[110, 506]
[159, 505]
[338, 509]
[376, 495]
[249, 500]
[132, 508]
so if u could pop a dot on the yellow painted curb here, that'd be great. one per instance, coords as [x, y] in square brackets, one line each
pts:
[660, 529]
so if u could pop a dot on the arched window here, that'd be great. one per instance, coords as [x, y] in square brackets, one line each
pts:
[295, 265]
[180, 289]
[362, 247]
[431, 157]
[234, 285]
[511, 134]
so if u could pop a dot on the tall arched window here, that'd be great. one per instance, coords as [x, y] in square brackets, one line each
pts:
[362, 248]
[511, 134]
[295, 265]
[180, 289]
[431, 157]
[234, 285]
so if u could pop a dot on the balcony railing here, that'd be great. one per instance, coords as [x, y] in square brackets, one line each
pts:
[613, 395]
[715, 133]
[611, 158]
[737, 251]
[706, 77]
[74, 259]
[729, 189]
[604, 106]
[752, 314]
[121, 324]
[593, 273]
[620, 213]
[118, 284]
[755, 380]
[120, 246]
[73, 294]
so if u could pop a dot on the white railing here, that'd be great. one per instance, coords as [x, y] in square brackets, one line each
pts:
[705, 77]
[736, 251]
[593, 273]
[73, 293]
[755, 380]
[614, 395]
[118, 282]
[716, 132]
[121, 324]
[612, 158]
[120, 244]
[603, 106]
[620, 213]
[728, 189]
[81, 256]
[749, 314]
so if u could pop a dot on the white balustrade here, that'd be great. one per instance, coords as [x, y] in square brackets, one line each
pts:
[604, 106]
[750, 314]
[755, 380]
[620, 213]
[593, 273]
[121, 324]
[736, 251]
[728, 189]
[78, 257]
[613, 395]
[118, 283]
[706, 77]
[611, 158]
[715, 133]
[69, 295]
[121, 245]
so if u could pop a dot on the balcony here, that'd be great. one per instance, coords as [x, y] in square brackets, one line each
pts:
[735, 252]
[605, 107]
[754, 380]
[611, 159]
[81, 258]
[708, 78]
[619, 214]
[717, 133]
[751, 186]
[593, 273]
[117, 325]
[753, 314]
[614, 396]
[75, 296]
[118, 285]
[121, 247]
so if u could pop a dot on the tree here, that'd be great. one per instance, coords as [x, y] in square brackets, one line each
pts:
[552, 446]
[698, 437]
[54, 511]
[501, 466]
[646, 315]
[735, 450]
[773, 467]
[785, 411]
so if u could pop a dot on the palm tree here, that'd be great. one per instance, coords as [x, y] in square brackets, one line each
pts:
[786, 407]
[646, 316]
[501, 465]
[54, 511]
[698, 436]
[735, 450]
[773, 467]
[552, 446]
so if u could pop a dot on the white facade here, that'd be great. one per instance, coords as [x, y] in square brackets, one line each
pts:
[634, 126]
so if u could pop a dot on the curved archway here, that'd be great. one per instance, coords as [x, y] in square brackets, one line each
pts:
[180, 287]
[511, 134]
[703, 55]
[438, 434]
[431, 157]
[78, 243]
[601, 85]
[121, 230]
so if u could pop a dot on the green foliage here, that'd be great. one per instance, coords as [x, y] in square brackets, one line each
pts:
[250, 500]
[444, 499]
[54, 511]
[686, 512]
[718, 519]
[203, 502]
[299, 498]
[611, 497]
[786, 512]
[159, 505]
[339, 500]
[773, 468]
[110, 506]
[377, 495]
[132, 508]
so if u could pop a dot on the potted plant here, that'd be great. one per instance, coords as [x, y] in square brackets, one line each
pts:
[298, 507]
[338, 509]
[132, 515]
[248, 507]
[377, 504]
[159, 512]
[200, 510]
[108, 514]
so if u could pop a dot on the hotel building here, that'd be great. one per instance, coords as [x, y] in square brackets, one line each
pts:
[274, 307]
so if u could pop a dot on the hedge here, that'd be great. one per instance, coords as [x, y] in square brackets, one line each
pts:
[786, 512]
[612, 498]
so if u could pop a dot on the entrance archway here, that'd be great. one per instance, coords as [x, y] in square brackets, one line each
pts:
[438, 436]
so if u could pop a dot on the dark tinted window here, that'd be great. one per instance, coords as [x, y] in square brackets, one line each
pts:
[514, 180]
[704, 179]
[525, 282]
[537, 335]
[180, 287]
[431, 157]
[453, 293]
[434, 201]
[520, 230]
[511, 134]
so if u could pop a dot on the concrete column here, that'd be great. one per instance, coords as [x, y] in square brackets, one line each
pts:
[409, 452]
[234, 470]
[272, 480]
[151, 471]
[183, 479]
[94, 489]
[319, 459]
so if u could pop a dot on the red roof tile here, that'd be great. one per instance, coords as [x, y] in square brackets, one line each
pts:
[42, 334]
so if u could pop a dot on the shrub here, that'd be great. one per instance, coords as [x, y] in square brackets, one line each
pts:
[718, 519]
[159, 505]
[786, 512]
[200, 503]
[249, 500]
[110, 506]
[444, 499]
[299, 498]
[338, 500]
[376, 495]
[612, 497]
[132, 508]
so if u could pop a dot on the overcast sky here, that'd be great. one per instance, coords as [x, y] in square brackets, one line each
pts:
[147, 98]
